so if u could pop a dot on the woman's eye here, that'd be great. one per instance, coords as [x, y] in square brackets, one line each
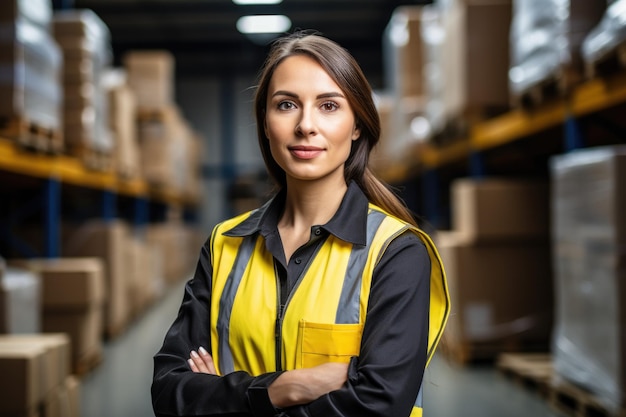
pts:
[329, 106]
[285, 105]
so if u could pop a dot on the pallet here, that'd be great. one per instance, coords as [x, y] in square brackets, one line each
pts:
[93, 159]
[530, 370]
[555, 86]
[477, 352]
[610, 62]
[30, 135]
[535, 371]
[577, 402]
[88, 363]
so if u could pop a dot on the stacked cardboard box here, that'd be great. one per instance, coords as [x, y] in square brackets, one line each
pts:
[72, 299]
[164, 141]
[589, 241]
[151, 77]
[35, 377]
[109, 242]
[498, 264]
[30, 61]
[123, 124]
[466, 62]
[85, 41]
[179, 242]
[146, 281]
[20, 308]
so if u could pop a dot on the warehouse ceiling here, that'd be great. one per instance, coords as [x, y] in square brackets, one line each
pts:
[203, 36]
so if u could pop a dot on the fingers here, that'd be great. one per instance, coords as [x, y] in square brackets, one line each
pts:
[201, 362]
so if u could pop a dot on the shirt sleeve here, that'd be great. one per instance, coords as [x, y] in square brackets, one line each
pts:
[386, 377]
[178, 391]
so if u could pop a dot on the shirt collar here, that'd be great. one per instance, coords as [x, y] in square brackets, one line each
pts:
[349, 222]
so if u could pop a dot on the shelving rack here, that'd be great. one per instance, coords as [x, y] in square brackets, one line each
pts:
[55, 171]
[591, 98]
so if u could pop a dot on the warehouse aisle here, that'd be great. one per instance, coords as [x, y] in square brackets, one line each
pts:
[120, 386]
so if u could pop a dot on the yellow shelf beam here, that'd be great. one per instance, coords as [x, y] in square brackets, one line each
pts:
[70, 170]
[591, 96]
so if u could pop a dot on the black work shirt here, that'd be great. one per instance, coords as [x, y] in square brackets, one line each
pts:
[383, 381]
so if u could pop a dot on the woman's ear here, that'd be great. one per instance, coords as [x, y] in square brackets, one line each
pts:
[356, 133]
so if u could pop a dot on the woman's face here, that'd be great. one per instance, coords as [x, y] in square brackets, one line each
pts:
[309, 123]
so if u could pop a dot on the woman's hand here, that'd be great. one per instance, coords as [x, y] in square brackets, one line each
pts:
[201, 362]
[301, 386]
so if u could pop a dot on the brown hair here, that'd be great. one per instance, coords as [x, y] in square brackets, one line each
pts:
[345, 71]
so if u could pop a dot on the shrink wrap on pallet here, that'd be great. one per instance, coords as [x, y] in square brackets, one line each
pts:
[609, 34]
[30, 72]
[589, 259]
[38, 12]
[546, 36]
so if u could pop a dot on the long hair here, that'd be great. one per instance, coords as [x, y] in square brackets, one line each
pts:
[347, 74]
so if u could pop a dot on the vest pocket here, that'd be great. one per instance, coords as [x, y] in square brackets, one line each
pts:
[319, 343]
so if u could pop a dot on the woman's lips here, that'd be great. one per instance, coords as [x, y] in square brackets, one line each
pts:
[305, 152]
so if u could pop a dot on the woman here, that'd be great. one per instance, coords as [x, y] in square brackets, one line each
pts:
[319, 302]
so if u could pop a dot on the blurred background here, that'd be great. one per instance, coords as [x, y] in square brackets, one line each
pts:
[127, 133]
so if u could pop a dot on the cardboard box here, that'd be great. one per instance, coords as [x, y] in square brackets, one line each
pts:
[68, 284]
[20, 305]
[151, 77]
[500, 292]
[84, 330]
[497, 209]
[31, 367]
[404, 55]
[123, 125]
[64, 400]
[108, 241]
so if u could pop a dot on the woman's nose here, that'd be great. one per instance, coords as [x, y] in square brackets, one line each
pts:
[306, 125]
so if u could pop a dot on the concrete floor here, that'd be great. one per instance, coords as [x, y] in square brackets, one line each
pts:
[120, 386]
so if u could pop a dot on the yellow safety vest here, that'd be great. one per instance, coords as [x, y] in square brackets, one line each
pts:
[323, 319]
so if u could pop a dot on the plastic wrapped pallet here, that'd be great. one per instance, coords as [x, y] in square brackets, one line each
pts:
[20, 307]
[38, 12]
[545, 37]
[609, 34]
[589, 241]
[30, 73]
[85, 41]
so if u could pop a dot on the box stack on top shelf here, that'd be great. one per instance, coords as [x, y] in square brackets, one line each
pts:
[470, 58]
[497, 259]
[589, 241]
[401, 105]
[546, 37]
[85, 41]
[31, 64]
[123, 124]
[167, 143]
[606, 43]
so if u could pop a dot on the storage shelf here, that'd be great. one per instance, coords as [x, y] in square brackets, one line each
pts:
[70, 170]
[591, 96]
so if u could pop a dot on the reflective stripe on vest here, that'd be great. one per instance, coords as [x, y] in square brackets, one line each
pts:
[325, 314]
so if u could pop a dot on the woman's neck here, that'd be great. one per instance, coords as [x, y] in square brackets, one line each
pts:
[307, 204]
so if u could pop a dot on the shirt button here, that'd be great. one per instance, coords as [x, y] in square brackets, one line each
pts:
[298, 261]
[318, 232]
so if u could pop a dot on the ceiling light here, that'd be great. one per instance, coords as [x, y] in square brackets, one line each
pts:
[263, 24]
[254, 2]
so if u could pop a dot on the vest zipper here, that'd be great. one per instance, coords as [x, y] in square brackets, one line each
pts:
[278, 331]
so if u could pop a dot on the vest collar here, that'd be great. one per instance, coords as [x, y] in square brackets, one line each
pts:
[349, 222]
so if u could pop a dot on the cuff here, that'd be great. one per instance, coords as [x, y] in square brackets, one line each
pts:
[258, 397]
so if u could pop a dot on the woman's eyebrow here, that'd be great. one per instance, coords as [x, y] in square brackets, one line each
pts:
[294, 95]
